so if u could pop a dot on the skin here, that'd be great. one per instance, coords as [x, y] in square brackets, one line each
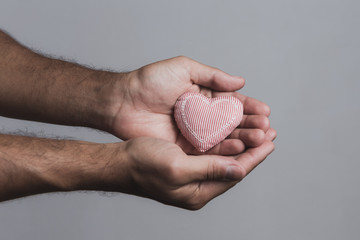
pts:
[146, 105]
[155, 161]
[146, 167]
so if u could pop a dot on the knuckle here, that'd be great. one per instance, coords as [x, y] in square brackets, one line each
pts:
[242, 171]
[211, 170]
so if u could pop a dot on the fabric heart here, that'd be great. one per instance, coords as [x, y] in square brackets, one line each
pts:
[205, 122]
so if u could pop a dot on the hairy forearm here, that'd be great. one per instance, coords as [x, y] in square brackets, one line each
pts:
[31, 166]
[38, 88]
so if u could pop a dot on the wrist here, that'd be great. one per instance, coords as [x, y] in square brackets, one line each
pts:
[105, 92]
[113, 92]
[118, 109]
[102, 168]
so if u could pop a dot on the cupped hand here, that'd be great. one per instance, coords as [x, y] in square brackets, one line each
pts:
[147, 97]
[160, 170]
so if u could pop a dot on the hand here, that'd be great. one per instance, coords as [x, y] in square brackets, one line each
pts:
[160, 170]
[149, 95]
[128, 105]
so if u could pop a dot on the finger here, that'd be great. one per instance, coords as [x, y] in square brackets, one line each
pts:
[212, 77]
[270, 135]
[212, 168]
[252, 106]
[210, 176]
[254, 156]
[255, 121]
[228, 147]
[250, 137]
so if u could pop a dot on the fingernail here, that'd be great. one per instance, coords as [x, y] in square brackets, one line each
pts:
[233, 173]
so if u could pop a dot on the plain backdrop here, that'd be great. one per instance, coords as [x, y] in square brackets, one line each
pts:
[300, 57]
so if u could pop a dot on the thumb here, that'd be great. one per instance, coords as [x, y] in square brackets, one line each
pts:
[212, 78]
[214, 168]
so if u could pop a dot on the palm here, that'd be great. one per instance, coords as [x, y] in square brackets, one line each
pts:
[148, 108]
[149, 113]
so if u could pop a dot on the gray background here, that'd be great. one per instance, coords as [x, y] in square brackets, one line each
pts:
[301, 57]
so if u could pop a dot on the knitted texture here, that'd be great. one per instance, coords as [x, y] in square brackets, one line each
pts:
[205, 122]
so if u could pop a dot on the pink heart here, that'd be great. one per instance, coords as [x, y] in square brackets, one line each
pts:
[205, 122]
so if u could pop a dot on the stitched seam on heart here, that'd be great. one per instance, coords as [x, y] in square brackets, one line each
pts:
[192, 132]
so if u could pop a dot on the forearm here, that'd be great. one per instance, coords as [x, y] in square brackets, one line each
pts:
[31, 166]
[38, 88]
